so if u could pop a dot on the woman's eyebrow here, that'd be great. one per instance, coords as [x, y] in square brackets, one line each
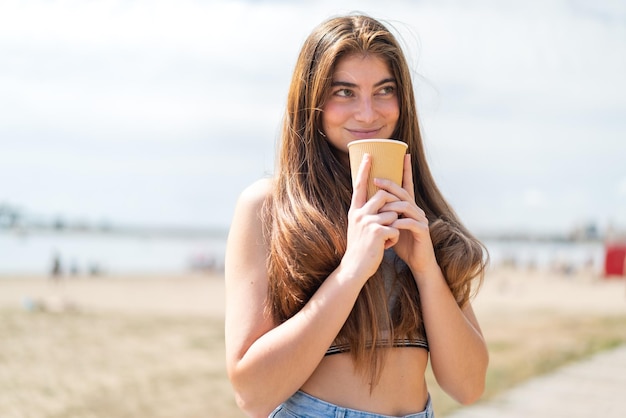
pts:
[385, 81]
[353, 85]
[343, 84]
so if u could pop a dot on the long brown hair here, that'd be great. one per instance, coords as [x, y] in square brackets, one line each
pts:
[306, 216]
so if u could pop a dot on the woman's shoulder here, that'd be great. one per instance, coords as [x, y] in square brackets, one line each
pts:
[248, 218]
[258, 191]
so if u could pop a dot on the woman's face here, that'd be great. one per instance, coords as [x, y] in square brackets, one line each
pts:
[362, 102]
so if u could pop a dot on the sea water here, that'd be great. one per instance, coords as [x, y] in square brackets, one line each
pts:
[107, 253]
[114, 253]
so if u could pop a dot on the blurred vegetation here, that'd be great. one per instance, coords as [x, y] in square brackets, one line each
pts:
[535, 345]
[73, 364]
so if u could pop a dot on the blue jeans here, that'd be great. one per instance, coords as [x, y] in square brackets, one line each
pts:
[303, 405]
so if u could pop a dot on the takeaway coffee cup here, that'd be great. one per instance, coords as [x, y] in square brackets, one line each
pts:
[387, 160]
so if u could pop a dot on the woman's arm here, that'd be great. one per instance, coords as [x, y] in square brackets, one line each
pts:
[267, 362]
[458, 352]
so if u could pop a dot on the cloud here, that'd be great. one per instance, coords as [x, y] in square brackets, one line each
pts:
[174, 94]
[533, 198]
[621, 187]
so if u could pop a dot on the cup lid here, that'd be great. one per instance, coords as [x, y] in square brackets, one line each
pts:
[391, 141]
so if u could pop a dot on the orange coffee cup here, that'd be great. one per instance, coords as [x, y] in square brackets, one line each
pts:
[387, 160]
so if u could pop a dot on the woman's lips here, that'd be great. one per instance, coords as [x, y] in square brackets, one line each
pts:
[364, 133]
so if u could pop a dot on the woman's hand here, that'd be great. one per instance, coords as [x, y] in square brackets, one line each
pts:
[458, 353]
[414, 245]
[370, 226]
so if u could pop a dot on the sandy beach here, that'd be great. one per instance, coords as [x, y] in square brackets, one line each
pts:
[153, 346]
[191, 294]
[504, 290]
[518, 290]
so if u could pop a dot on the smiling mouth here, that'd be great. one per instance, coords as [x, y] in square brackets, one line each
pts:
[364, 133]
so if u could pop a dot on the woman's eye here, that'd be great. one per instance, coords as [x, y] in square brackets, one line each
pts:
[344, 93]
[387, 90]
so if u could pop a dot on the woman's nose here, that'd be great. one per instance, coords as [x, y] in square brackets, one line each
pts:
[365, 111]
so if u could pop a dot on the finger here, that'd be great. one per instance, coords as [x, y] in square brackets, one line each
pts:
[385, 218]
[417, 228]
[392, 238]
[359, 184]
[407, 176]
[406, 209]
[380, 199]
[377, 234]
[390, 187]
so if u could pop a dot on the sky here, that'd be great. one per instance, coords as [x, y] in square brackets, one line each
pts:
[161, 112]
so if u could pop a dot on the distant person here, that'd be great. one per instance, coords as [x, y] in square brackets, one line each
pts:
[335, 302]
[74, 270]
[56, 271]
[95, 270]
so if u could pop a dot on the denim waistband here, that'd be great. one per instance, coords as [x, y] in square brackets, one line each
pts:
[303, 405]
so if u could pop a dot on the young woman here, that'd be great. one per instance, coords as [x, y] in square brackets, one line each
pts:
[335, 303]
